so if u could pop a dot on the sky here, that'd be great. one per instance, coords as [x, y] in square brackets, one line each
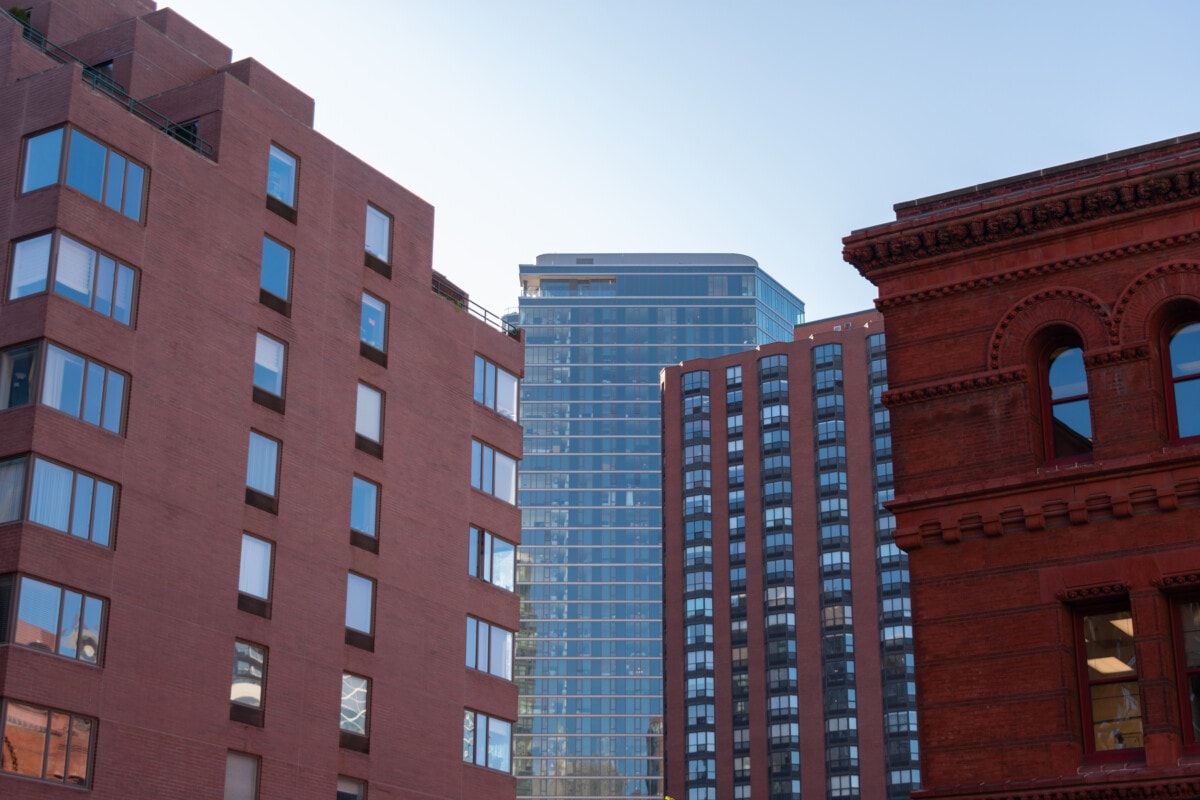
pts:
[770, 128]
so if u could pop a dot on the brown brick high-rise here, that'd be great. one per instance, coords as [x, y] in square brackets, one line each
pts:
[257, 459]
[1044, 364]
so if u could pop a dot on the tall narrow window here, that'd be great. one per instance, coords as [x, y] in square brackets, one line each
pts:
[246, 687]
[1069, 421]
[241, 776]
[262, 472]
[1184, 400]
[360, 611]
[368, 420]
[379, 234]
[275, 276]
[1187, 645]
[364, 506]
[281, 183]
[1111, 700]
[269, 359]
[254, 576]
[350, 789]
[355, 705]
[373, 328]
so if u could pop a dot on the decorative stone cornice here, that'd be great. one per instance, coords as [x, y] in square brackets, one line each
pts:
[973, 383]
[1188, 580]
[1117, 355]
[1014, 222]
[1090, 593]
[1127, 783]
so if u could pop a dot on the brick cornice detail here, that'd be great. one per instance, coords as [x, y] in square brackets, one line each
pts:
[971, 383]
[1015, 222]
[1123, 785]
[962, 523]
[1185, 581]
[1117, 355]
[1089, 593]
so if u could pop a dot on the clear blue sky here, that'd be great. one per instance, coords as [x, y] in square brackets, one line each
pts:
[765, 127]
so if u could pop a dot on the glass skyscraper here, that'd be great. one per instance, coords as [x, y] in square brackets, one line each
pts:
[598, 328]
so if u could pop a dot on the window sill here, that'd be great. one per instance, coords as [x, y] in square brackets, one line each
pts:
[364, 542]
[378, 264]
[281, 208]
[254, 605]
[363, 641]
[262, 501]
[268, 400]
[355, 741]
[275, 303]
[246, 715]
[368, 446]
[372, 354]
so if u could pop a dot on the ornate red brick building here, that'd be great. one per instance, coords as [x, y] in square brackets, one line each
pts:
[1044, 375]
[257, 460]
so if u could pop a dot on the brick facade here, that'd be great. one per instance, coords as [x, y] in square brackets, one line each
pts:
[159, 699]
[1013, 548]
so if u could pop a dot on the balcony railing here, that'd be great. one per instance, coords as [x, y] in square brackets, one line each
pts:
[102, 82]
[449, 291]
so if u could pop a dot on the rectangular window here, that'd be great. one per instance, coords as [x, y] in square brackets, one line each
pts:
[103, 174]
[254, 576]
[355, 698]
[74, 271]
[46, 745]
[487, 741]
[248, 682]
[262, 472]
[493, 472]
[281, 177]
[1112, 703]
[83, 388]
[489, 648]
[495, 387]
[270, 355]
[373, 329]
[17, 374]
[360, 603]
[351, 789]
[1187, 647]
[379, 234]
[275, 276]
[368, 417]
[364, 506]
[53, 618]
[241, 776]
[66, 500]
[492, 559]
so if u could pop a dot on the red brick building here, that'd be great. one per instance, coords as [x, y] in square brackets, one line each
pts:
[788, 660]
[257, 460]
[1044, 364]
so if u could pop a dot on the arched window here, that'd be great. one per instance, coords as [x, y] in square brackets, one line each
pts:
[1183, 393]
[1068, 416]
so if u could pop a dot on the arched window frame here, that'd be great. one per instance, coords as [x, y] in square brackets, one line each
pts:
[1055, 346]
[1185, 427]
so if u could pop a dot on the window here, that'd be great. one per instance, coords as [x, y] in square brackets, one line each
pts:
[262, 472]
[379, 234]
[491, 559]
[62, 499]
[355, 696]
[493, 472]
[1112, 707]
[281, 182]
[1068, 424]
[495, 387]
[46, 744]
[360, 603]
[487, 741]
[254, 575]
[489, 648]
[269, 357]
[74, 271]
[1184, 400]
[373, 328]
[368, 418]
[350, 789]
[275, 276]
[101, 173]
[364, 506]
[53, 619]
[695, 381]
[246, 685]
[1188, 654]
[83, 388]
[241, 776]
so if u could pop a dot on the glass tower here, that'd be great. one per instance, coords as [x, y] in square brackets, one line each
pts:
[598, 328]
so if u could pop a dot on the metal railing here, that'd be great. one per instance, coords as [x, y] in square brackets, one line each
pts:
[103, 83]
[450, 292]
